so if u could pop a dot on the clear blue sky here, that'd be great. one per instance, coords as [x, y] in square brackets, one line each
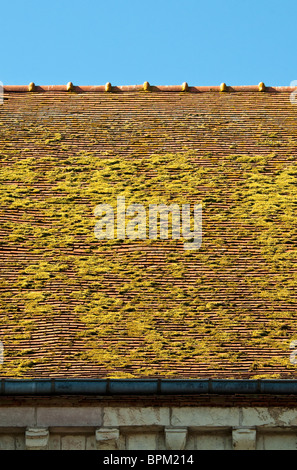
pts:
[166, 42]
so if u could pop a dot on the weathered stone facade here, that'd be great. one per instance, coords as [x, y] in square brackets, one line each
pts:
[109, 426]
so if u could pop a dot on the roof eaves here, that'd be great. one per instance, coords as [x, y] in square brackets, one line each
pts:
[13, 387]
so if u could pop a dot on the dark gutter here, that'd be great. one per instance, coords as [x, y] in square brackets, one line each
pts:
[38, 387]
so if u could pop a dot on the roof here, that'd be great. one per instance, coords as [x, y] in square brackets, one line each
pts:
[76, 306]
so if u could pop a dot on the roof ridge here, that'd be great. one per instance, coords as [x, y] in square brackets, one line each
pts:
[69, 87]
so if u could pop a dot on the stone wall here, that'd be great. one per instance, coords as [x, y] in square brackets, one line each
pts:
[109, 427]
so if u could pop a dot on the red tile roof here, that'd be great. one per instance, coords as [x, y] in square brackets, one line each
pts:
[74, 306]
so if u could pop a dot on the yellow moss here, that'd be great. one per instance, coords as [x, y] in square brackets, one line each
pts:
[164, 316]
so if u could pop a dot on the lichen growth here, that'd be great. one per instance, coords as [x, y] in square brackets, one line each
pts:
[147, 308]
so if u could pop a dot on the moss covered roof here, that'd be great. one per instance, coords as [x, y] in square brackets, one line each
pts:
[76, 306]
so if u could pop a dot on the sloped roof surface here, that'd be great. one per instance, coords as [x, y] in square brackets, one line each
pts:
[76, 306]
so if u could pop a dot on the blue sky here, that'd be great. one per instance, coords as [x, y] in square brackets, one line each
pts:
[165, 42]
